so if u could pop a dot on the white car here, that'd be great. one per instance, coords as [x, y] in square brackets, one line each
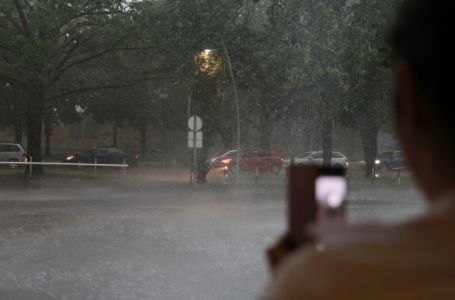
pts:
[338, 159]
[12, 153]
[298, 158]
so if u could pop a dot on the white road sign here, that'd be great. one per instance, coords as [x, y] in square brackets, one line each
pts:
[195, 123]
[198, 135]
[199, 138]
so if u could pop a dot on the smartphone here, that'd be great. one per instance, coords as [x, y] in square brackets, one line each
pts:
[315, 195]
[330, 193]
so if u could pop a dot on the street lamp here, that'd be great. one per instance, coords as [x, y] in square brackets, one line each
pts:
[210, 65]
[237, 109]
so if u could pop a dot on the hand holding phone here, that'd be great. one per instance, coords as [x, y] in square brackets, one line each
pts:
[315, 195]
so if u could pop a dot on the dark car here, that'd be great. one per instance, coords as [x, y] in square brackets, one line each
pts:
[103, 155]
[392, 160]
[251, 160]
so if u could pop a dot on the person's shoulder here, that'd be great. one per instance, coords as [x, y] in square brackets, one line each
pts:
[320, 274]
[359, 263]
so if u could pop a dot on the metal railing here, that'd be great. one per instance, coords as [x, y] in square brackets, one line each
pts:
[95, 165]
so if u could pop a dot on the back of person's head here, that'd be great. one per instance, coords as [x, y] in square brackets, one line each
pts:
[423, 37]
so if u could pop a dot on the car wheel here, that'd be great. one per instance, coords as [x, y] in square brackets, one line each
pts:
[13, 165]
[275, 169]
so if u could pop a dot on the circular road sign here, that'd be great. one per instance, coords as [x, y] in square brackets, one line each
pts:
[195, 123]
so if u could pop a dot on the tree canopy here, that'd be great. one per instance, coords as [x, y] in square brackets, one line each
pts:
[119, 60]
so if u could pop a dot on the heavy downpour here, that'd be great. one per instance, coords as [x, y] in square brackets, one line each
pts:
[146, 145]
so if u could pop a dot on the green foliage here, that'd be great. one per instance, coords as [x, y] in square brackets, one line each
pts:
[292, 59]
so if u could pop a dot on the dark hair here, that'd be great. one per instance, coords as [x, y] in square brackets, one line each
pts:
[423, 36]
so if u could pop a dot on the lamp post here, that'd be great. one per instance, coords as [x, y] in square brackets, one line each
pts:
[208, 68]
[237, 110]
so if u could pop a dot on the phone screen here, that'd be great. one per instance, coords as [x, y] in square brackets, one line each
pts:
[330, 193]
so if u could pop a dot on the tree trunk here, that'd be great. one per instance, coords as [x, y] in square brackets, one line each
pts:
[114, 135]
[228, 137]
[326, 136]
[18, 131]
[143, 139]
[369, 135]
[352, 145]
[34, 130]
[48, 134]
[203, 166]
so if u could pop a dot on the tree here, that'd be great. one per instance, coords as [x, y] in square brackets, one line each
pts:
[199, 25]
[45, 43]
[307, 48]
[370, 81]
[12, 106]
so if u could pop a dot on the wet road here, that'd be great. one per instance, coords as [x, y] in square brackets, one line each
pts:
[151, 236]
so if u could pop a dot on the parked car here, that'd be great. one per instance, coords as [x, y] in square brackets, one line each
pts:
[216, 161]
[338, 159]
[12, 153]
[103, 155]
[298, 158]
[391, 160]
[251, 159]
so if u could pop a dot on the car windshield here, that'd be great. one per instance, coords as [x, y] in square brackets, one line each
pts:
[231, 153]
[304, 155]
[119, 106]
[337, 155]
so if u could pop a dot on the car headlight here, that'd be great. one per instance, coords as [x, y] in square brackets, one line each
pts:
[69, 157]
[226, 161]
[377, 161]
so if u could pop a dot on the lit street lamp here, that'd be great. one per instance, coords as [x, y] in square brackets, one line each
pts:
[210, 65]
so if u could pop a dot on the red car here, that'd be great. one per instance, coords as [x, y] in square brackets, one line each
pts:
[250, 160]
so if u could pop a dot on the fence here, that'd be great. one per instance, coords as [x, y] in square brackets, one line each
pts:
[94, 165]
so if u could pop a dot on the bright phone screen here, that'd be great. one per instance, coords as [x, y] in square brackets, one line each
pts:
[331, 191]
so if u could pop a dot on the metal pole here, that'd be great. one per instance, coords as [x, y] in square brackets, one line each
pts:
[194, 151]
[189, 115]
[373, 178]
[96, 161]
[31, 167]
[237, 109]
[124, 168]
